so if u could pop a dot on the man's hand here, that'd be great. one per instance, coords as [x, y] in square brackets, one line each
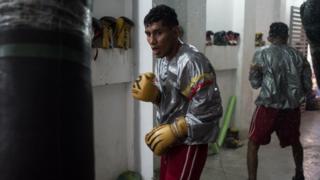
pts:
[163, 137]
[143, 88]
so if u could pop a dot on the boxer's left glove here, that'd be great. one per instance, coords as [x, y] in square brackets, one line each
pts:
[163, 137]
[143, 88]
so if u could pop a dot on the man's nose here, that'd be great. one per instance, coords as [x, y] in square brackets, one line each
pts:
[152, 40]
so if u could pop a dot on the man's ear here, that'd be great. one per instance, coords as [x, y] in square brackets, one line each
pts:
[176, 31]
[287, 38]
[270, 39]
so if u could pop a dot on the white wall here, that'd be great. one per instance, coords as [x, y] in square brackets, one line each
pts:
[219, 15]
[110, 130]
[113, 105]
[266, 13]
[113, 8]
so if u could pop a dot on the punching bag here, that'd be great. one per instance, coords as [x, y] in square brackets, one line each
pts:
[46, 126]
[310, 12]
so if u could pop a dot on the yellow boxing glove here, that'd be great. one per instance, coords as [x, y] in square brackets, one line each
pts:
[122, 34]
[144, 89]
[163, 137]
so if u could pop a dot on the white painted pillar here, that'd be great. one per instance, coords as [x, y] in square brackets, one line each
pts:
[143, 112]
[192, 17]
[244, 22]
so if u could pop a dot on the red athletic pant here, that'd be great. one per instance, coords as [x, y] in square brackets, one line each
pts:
[183, 162]
[266, 120]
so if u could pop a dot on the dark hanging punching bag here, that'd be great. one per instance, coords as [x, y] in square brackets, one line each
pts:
[310, 12]
[45, 90]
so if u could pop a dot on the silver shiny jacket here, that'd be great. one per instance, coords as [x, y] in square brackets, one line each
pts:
[188, 88]
[283, 74]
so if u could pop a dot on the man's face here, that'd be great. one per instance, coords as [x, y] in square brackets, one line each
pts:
[162, 39]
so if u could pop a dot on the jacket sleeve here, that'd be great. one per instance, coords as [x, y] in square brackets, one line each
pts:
[198, 84]
[256, 74]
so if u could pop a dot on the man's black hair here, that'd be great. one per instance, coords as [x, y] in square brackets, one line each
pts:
[278, 29]
[163, 13]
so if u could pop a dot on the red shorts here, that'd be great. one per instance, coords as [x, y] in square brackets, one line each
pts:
[183, 162]
[286, 123]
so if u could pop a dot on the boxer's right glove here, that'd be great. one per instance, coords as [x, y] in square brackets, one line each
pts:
[163, 137]
[143, 88]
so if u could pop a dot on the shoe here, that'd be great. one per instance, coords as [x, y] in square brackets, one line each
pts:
[232, 143]
[259, 39]
[236, 38]
[230, 38]
[219, 38]
[209, 38]
[233, 132]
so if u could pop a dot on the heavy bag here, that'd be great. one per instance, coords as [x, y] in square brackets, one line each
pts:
[310, 11]
[45, 90]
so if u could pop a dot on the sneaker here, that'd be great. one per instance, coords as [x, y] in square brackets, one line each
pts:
[230, 38]
[219, 38]
[236, 38]
[209, 38]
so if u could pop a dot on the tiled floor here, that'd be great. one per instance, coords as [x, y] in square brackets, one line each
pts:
[275, 163]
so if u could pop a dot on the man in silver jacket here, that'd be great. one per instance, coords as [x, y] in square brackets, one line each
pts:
[187, 97]
[284, 78]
